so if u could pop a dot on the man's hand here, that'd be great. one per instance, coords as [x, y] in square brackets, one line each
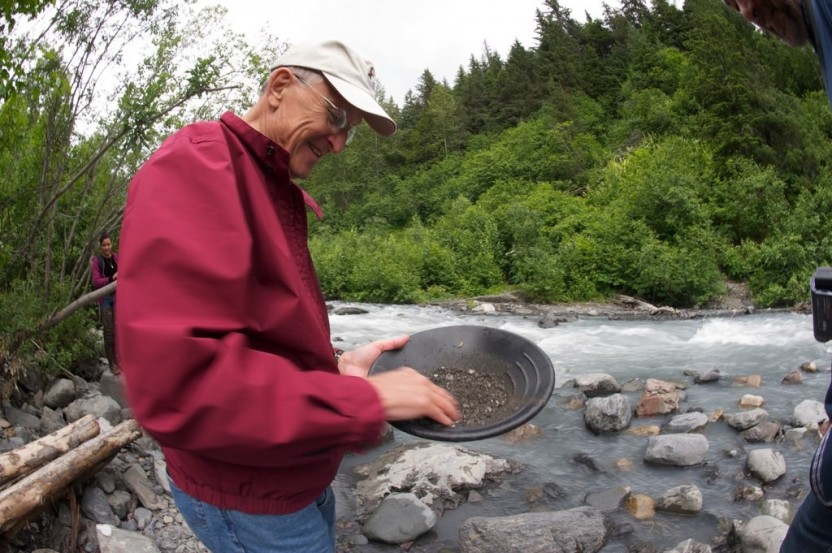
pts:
[406, 394]
[782, 18]
[358, 361]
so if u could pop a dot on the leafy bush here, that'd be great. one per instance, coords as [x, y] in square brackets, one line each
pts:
[60, 347]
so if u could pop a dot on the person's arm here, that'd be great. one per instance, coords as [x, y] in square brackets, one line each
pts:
[782, 18]
[202, 374]
[98, 279]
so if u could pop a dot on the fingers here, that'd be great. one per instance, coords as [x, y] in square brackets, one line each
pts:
[406, 394]
[446, 410]
[392, 343]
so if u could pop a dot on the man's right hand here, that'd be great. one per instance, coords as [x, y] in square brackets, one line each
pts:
[406, 394]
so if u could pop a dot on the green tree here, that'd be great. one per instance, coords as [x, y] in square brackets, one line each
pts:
[85, 131]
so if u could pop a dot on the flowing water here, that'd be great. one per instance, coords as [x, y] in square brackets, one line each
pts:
[769, 345]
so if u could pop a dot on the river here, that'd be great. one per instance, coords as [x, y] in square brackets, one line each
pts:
[769, 345]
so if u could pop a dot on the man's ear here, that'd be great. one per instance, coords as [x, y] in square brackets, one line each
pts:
[280, 79]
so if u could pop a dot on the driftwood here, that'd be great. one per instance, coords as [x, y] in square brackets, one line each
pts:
[29, 496]
[34, 455]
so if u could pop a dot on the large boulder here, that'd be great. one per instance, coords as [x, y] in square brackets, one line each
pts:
[434, 472]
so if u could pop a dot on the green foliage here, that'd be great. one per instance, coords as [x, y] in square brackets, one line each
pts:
[654, 152]
[72, 137]
[414, 264]
[781, 270]
[63, 346]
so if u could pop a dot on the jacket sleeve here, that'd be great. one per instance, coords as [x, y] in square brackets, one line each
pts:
[198, 374]
[98, 280]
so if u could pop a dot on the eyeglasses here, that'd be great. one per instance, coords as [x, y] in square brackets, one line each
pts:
[338, 120]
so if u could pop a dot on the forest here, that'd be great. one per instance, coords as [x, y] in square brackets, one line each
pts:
[658, 151]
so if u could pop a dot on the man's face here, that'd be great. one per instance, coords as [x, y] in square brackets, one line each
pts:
[304, 128]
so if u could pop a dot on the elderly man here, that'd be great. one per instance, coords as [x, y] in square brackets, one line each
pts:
[224, 335]
[798, 22]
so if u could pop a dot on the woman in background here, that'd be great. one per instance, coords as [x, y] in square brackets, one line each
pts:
[104, 271]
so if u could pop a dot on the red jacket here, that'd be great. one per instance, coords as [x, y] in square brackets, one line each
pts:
[223, 331]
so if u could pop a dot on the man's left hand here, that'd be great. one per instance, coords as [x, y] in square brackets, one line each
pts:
[358, 361]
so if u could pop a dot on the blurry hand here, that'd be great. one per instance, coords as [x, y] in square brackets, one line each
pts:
[358, 361]
[406, 394]
[782, 18]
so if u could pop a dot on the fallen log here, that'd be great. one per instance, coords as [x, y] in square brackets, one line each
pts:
[30, 457]
[26, 498]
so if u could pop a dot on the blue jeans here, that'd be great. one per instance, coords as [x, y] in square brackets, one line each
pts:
[810, 531]
[310, 530]
[811, 528]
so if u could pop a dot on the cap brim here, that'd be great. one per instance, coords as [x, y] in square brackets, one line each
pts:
[374, 114]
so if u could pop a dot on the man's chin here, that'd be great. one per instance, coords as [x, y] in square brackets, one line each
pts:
[301, 173]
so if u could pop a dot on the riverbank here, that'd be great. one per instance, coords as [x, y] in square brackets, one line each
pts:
[736, 302]
[563, 465]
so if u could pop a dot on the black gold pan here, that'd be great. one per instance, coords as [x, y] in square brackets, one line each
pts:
[480, 354]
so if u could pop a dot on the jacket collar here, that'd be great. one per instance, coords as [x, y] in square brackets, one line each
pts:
[269, 153]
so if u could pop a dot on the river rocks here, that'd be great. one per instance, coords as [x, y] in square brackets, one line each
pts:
[658, 398]
[766, 464]
[581, 529]
[766, 431]
[484, 307]
[762, 534]
[115, 540]
[19, 417]
[794, 377]
[348, 310]
[753, 380]
[399, 518]
[808, 411]
[597, 384]
[690, 546]
[605, 415]
[681, 450]
[640, 506]
[750, 401]
[522, 433]
[777, 508]
[136, 479]
[100, 406]
[711, 375]
[434, 472]
[597, 467]
[809, 367]
[550, 320]
[95, 506]
[60, 393]
[686, 500]
[688, 422]
[607, 500]
[745, 419]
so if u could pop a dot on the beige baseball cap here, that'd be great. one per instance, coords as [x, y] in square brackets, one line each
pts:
[350, 73]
